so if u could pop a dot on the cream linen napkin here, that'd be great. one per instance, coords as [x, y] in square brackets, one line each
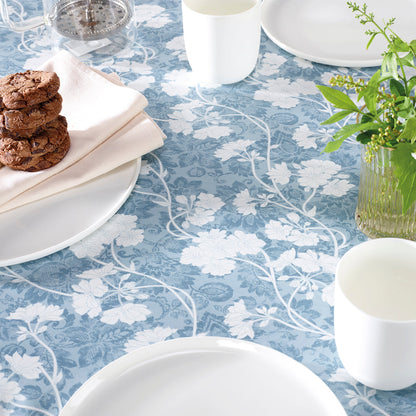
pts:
[107, 125]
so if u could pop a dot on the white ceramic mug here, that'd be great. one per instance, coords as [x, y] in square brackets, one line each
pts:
[375, 313]
[222, 38]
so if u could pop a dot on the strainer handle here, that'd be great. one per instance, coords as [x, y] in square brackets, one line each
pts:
[23, 25]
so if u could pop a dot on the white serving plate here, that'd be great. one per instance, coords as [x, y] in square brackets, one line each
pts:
[327, 32]
[46, 226]
[204, 376]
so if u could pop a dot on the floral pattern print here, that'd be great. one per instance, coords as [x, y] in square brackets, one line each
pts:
[234, 228]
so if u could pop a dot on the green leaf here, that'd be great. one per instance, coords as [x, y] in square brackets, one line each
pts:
[371, 39]
[405, 172]
[389, 64]
[409, 131]
[399, 46]
[337, 117]
[346, 132]
[350, 129]
[385, 76]
[337, 98]
[412, 46]
[367, 118]
[365, 136]
[407, 60]
[411, 84]
[406, 109]
[370, 92]
[397, 88]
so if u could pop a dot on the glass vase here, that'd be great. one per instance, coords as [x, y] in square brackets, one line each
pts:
[379, 207]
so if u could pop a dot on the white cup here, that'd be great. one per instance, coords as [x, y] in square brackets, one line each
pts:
[375, 313]
[222, 38]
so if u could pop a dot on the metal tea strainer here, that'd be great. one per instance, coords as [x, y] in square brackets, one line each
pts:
[90, 19]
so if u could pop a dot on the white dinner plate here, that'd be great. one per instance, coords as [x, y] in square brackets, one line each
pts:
[204, 376]
[327, 32]
[43, 227]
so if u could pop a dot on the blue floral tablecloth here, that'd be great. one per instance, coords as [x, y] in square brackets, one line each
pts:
[233, 229]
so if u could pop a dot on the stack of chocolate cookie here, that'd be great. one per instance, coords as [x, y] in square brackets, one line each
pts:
[33, 136]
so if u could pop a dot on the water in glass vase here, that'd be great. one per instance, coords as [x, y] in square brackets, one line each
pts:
[379, 207]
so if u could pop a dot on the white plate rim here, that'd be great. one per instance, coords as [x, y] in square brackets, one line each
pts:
[183, 345]
[354, 63]
[134, 165]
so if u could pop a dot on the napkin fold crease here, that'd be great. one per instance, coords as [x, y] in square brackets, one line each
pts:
[107, 127]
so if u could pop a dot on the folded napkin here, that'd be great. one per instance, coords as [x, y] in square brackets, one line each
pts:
[107, 126]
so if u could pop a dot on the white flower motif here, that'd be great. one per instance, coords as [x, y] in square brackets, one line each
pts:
[315, 172]
[308, 262]
[328, 263]
[270, 64]
[301, 239]
[209, 202]
[244, 203]
[337, 187]
[304, 137]
[282, 230]
[305, 285]
[9, 390]
[177, 45]
[178, 83]
[304, 87]
[151, 15]
[121, 228]
[124, 226]
[87, 298]
[246, 243]
[285, 259]
[236, 319]
[303, 63]
[38, 312]
[26, 365]
[215, 252]
[280, 173]
[199, 217]
[128, 313]
[282, 92]
[232, 149]
[212, 261]
[203, 210]
[328, 294]
[278, 92]
[147, 337]
[215, 241]
[179, 123]
[275, 230]
[212, 131]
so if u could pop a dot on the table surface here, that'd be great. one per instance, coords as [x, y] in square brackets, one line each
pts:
[233, 229]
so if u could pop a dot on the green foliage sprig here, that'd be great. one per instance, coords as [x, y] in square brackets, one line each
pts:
[386, 116]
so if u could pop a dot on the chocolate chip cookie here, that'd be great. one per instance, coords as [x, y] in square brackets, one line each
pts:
[25, 89]
[31, 117]
[46, 161]
[46, 139]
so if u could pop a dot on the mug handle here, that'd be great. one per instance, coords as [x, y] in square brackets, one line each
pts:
[23, 25]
